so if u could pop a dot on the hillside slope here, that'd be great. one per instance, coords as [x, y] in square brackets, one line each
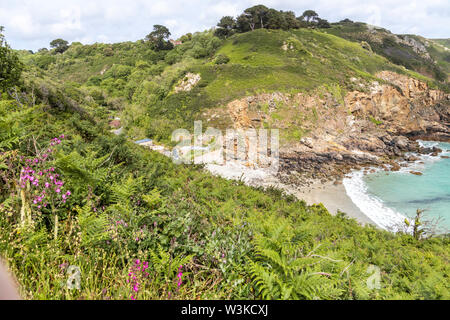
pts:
[425, 56]
[133, 78]
[331, 98]
[74, 194]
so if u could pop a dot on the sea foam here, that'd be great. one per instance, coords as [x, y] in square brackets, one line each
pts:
[374, 207]
[370, 205]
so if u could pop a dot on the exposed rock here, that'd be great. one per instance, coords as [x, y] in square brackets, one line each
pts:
[238, 110]
[188, 82]
[356, 129]
[307, 142]
[401, 142]
[416, 45]
[287, 46]
[412, 158]
[417, 173]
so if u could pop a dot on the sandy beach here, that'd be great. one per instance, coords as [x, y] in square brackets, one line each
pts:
[334, 198]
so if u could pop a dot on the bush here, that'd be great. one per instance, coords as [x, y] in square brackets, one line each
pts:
[221, 59]
[118, 71]
[44, 60]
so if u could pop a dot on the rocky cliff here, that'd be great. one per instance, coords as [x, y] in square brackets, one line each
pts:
[327, 132]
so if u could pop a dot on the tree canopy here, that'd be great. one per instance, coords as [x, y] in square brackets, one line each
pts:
[260, 16]
[10, 66]
[158, 38]
[310, 16]
[225, 27]
[59, 45]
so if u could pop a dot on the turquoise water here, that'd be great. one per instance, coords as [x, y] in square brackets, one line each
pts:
[404, 192]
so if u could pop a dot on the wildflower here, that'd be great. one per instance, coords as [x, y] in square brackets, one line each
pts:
[179, 276]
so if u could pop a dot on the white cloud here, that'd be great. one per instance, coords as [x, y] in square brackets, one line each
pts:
[33, 24]
[70, 21]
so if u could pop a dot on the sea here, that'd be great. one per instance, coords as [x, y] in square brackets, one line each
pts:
[390, 197]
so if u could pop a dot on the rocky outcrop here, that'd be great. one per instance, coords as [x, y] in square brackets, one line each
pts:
[343, 131]
[405, 106]
[416, 45]
[238, 110]
[189, 81]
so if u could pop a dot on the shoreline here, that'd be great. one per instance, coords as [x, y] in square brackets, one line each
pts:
[334, 197]
[331, 194]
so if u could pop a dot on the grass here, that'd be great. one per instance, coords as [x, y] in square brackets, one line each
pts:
[127, 203]
[138, 83]
[383, 43]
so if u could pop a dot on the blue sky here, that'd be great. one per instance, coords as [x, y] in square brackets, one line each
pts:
[31, 24]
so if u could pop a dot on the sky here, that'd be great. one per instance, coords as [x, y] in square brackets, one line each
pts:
[31, 24]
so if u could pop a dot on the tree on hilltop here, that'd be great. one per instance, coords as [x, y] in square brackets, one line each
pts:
[158, 38]
[281, 20]
[310, 16]
[257, 14]
[59, 45]
[323, 23]
[225, 27]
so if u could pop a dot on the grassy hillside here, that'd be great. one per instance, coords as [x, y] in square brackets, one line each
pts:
[131, 208]
[440, 51]
[138, 226]
[444, 42]
[138, 83]
[413, 52]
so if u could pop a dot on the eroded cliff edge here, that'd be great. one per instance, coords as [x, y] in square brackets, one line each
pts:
[327, 132]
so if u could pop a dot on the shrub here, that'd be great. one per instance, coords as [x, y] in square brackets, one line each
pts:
[221, 59]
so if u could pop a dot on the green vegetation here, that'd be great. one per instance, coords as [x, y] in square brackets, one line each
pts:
[158, 38]
[415, 53]
[10, 66]
[59, 45]
[262, 17]
[136, 81]
[128, 203]
[440, 51]
[114, 209]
